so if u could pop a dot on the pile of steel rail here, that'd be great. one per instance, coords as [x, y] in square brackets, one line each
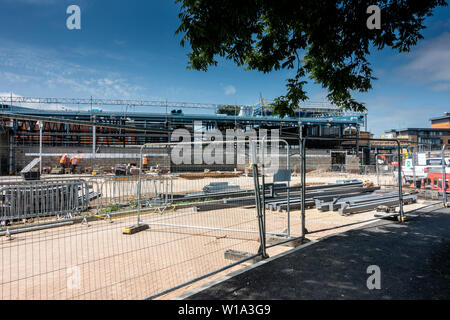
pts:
[348, 204]
[322, 192]
[345, 197]
[278, 197]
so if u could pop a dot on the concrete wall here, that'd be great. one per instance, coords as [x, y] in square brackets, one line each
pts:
[318, 160]
[21, 158]
[315, 160]
[352, 164]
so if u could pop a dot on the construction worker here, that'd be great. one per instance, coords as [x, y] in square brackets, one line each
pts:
[74, 163]
[144, 162]
[63, 163]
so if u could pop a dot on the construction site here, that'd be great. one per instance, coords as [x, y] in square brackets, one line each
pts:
[101, 204]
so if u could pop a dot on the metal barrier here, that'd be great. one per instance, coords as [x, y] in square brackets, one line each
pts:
[120, 193]
[26, 200]
[277, 177]
[199, 223]
[221, 206]
[66, 198]
[400, 214]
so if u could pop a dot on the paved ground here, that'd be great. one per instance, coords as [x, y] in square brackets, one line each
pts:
[414, 259]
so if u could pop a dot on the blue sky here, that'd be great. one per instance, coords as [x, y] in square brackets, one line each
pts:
[128, 49]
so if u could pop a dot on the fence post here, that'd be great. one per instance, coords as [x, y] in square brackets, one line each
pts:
[139, 187]
[414, 169]
[263, 181]
[400, 191]
[444, 184]
[303, 180]
[288, 164]
[262, 231]
[377, 169]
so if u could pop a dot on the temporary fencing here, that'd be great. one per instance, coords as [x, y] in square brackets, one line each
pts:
[167, 224]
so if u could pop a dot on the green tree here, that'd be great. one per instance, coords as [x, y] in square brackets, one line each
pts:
[326, 41]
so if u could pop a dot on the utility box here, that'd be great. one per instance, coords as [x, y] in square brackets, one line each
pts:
[31, 175]
[120, 170]
[28, 173]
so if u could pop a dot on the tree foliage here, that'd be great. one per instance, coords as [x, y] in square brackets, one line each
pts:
[325, 41]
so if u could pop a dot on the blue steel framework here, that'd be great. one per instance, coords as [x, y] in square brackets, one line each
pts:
[316, 119]
[96, 127]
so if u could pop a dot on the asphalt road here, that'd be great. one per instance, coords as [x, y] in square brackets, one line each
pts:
[414, 262]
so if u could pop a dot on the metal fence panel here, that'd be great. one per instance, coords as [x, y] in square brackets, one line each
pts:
[71, 232]
[35, 200]
[63, 238]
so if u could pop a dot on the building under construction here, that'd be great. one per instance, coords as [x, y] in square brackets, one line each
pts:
[97, 133]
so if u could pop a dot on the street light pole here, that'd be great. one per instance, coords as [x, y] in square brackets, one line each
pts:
[300, 140]
[41, 128]
[444, 184]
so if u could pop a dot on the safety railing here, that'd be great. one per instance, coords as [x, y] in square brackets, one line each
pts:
[117, 194]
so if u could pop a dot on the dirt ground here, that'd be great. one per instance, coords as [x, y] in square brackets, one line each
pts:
[100, 262]
[110, 265]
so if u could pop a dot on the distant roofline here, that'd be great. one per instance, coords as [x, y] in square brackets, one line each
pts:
[344, 119]
[446, 116]
[417, 129]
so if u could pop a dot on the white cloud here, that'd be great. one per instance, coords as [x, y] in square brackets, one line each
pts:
[430, 63]
[46, 70]
[17, 78]
[230, 90]
[394, 112]
[443, 86]
[34, 2]
[53, 106]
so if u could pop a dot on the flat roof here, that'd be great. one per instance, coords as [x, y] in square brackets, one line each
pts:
[324, 119]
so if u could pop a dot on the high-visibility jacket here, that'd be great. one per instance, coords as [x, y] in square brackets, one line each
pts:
[63, 159]
[74, 161]
[144, 161]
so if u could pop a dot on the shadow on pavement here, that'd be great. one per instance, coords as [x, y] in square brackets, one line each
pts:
[414, 259]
